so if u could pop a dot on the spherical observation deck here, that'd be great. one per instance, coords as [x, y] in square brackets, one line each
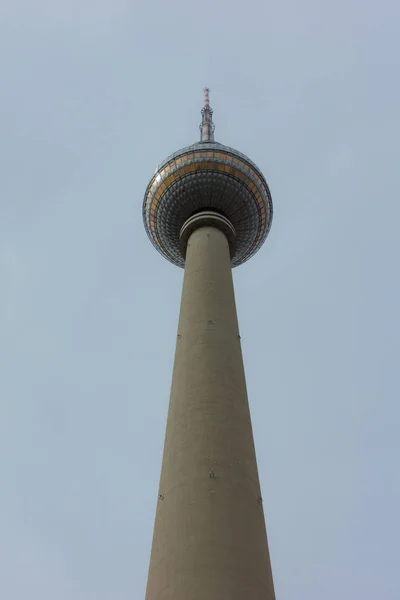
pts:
[207, 176]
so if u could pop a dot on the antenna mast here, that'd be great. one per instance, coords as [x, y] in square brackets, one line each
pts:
[207, 126]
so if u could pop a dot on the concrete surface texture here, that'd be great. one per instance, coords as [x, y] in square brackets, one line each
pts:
[209, 539]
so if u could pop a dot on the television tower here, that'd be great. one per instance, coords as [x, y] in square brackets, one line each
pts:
[208, 208]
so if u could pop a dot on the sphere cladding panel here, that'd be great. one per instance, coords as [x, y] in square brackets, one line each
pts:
[207, 175]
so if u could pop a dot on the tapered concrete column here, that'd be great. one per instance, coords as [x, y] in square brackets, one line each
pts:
[209, 539]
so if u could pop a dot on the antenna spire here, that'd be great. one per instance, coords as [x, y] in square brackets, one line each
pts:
[207, 126]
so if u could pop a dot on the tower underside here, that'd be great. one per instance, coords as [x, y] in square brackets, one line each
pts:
[209, 539]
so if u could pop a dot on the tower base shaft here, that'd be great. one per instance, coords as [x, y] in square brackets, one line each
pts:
[209, 539]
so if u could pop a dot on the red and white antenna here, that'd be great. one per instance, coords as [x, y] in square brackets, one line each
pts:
[207, 126]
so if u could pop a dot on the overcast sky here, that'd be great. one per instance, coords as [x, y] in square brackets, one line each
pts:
[94, 95]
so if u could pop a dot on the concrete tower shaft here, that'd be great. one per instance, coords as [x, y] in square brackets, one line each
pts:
[209, 540]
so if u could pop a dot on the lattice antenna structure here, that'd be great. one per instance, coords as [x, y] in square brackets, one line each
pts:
[207, 126]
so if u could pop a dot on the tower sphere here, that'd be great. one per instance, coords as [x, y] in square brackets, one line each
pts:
[207, 176]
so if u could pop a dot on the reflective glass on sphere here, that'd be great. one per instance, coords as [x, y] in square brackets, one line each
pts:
[207, 175]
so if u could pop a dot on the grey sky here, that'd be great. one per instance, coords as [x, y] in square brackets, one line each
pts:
[93, 96]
